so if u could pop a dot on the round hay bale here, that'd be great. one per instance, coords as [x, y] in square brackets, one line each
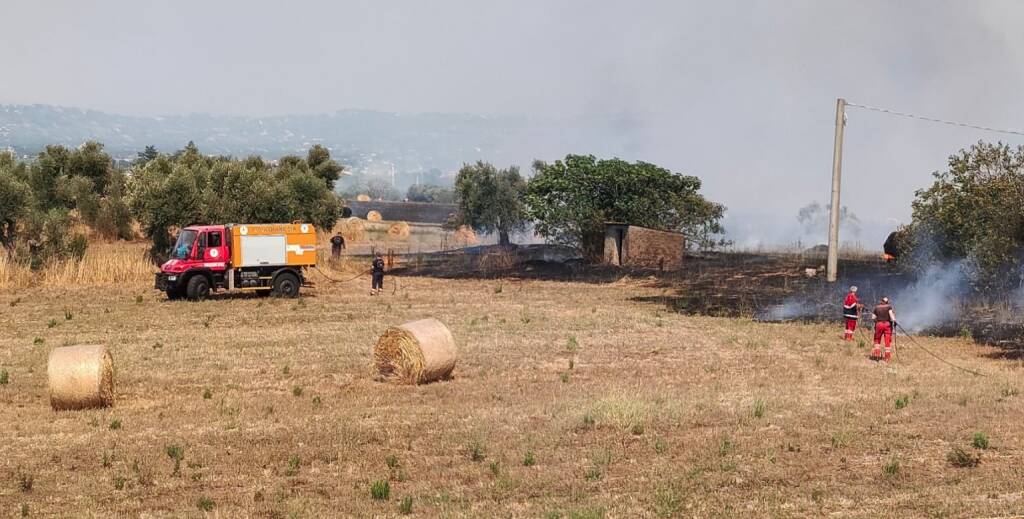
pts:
[362, 198]
[464, 236]
[398, 230]
[353, 229]
[417, 352]
[373, 216]
[80, 377]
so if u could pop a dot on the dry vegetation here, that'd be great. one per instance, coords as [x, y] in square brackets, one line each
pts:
[569, 400]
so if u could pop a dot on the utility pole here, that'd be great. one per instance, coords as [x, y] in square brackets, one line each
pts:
[837, 171]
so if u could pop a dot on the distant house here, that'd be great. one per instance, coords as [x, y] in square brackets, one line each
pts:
[639, 247]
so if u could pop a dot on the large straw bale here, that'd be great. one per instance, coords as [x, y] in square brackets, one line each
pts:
[417, 352]
[398, 230]
[373, 216]
[352, 229]
[464, 236]
[80, 377]
[362, 198]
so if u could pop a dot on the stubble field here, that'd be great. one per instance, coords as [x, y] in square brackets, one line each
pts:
[569, 400]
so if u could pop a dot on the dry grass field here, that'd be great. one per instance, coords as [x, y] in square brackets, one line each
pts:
[572, 400]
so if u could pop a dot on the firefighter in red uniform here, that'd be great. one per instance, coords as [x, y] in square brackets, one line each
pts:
[851, 312]
[885, 320]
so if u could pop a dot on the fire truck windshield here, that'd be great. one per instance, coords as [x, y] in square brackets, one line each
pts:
[183, 246]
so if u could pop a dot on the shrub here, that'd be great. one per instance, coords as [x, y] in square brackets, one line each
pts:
[960, 458]
[380, 490]
[529, 460]
[891, 467]
[205, 504]
[405, 507]
[980, 440]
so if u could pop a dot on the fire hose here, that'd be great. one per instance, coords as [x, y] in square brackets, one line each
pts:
[933, 354]
[333, 280]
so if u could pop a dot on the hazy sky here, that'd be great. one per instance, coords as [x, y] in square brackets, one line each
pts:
[741, 94]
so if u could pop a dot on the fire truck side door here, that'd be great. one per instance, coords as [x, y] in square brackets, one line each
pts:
[216, 250]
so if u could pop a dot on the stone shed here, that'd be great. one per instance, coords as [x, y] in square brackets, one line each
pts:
[640, 247]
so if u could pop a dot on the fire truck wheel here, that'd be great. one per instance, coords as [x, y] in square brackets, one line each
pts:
[286, 285]
[174, 294]
[198, 288]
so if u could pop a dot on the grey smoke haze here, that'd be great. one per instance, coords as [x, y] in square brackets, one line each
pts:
[739, 93]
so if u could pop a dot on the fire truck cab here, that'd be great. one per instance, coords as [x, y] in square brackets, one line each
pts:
[261, 258]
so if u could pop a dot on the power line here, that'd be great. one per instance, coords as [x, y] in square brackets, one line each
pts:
[934, 120]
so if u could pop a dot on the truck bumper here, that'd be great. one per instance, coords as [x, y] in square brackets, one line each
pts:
[165, 282]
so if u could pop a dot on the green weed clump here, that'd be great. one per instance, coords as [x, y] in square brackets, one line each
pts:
[529, 460]
[980, 440]
[176, 453]
[405, 507]
[380, 490]
[891, 467]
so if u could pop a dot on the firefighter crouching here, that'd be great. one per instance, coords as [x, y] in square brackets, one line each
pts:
[851, 312]
[885, 320]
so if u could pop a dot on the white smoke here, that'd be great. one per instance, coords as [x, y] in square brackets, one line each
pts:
[932, 299]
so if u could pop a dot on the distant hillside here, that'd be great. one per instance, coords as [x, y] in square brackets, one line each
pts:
[361, 139]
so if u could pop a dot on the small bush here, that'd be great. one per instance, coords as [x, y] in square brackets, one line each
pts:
[725, 446]
[68, 315]
[391, 461]
[495, 468]
[107, 458]
[293, 466]
[119, 482]
[891, 467]
[38, 341]
[960, 458]
[660, 446]
[529, 460]
[138, 299]
[667, 501]
[476, 451]
[176, 453]
[588, 420]
[571, 344]
[638, 429]
[115, 424]
[380, 490]
[297, 391]
[24, 509]
[758, 408]
[25, 480]
[902, 401]
[564, 377]
[205, 504]
[980, 440]
[405, 507]
[207, 394]
[5, 377]
[51, 323]
[316, 401]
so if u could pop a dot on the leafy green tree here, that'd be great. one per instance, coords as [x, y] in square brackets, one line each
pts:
[490, 200]
[974, 213]
[146, 155]
[91, 162]
[320, 163]
[15, 198]
[572, 199]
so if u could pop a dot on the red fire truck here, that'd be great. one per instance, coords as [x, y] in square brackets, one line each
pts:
[261, 258]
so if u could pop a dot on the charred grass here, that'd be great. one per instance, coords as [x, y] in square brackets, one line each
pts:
[664, 415]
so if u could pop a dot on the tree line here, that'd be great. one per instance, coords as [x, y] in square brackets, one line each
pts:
[567, 201]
